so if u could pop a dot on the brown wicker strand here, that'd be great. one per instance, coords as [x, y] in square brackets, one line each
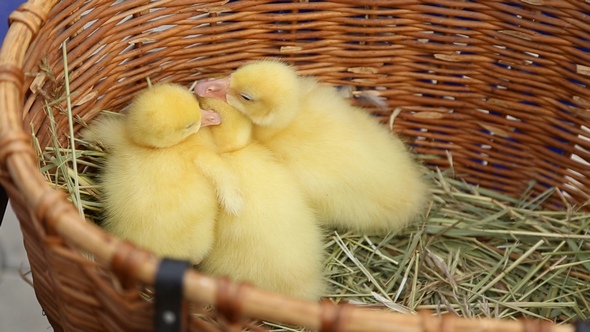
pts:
[227, 301]
[334, 316]
[32, 20]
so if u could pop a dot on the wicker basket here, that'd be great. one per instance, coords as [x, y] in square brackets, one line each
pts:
[501, 86]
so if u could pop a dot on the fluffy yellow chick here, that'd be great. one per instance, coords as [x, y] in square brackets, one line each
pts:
[357, 174]
[275, 243]
[161, 177]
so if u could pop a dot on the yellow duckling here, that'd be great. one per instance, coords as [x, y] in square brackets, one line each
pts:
[275, 242]
[161, 178]
[357, 175]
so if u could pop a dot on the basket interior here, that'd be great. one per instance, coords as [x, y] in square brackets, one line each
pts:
[497, 90]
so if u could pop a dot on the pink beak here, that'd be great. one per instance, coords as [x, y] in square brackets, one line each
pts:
[216, 88]
[210, 118]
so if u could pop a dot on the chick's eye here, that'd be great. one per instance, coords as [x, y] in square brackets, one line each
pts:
[245, 97]
[190, 126]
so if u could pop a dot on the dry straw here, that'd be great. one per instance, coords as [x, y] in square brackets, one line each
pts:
[491, 94]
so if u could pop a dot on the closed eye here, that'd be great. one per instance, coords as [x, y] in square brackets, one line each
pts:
[245, 97]
[190, 126]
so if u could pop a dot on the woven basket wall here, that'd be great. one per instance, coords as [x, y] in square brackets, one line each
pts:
[497, 88]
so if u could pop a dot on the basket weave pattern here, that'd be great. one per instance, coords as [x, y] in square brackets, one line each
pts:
[496, 89]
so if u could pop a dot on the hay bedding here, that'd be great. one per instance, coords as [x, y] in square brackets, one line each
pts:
[476, 253]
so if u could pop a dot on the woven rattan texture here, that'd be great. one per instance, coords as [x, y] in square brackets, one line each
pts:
[498, 89]
[500, 86]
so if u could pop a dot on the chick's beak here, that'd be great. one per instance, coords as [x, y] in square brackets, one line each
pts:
[209, 118]
[216, 88]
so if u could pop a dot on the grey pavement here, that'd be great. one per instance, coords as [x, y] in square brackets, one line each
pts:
[19, 309]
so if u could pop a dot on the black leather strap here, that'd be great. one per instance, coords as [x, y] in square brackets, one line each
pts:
[582, 326]
[3, 203]
[168, 300]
